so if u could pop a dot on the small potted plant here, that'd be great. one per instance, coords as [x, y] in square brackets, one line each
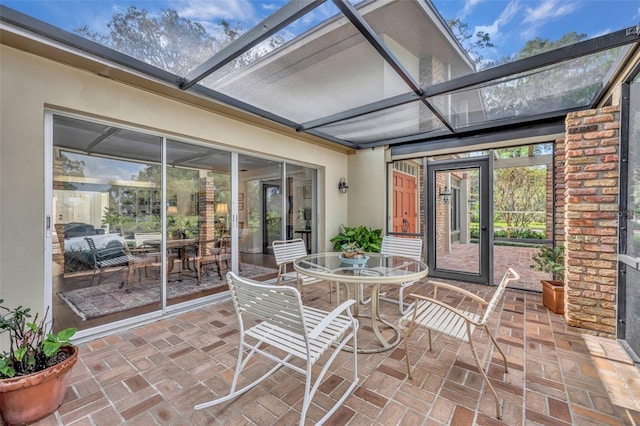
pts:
[35, 371]
[551, 260]
[352, 251]
[352, 254]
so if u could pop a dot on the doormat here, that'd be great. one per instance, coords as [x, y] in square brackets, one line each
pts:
[109, 298]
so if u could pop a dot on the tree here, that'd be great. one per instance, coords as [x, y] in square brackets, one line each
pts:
[164, 41]
[538, 45]
[170, 42]
[473, 45]
[519, 192]
[555, 87]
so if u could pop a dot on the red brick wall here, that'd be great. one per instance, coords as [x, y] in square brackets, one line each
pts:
[550, 195]
[559, 193]
[590, 219]
[442, 216]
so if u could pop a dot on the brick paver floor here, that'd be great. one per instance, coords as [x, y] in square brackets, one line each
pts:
[464, 257]
[156, 373]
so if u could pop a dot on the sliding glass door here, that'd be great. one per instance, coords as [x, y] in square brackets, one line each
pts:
[146, 223]
[198, 238]
[107, 202]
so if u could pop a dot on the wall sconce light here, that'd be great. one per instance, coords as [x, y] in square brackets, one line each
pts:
[472, 202]
[445, 194]
[172, 210]
[342, 186]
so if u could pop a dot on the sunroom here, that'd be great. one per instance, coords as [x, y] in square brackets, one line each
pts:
[297, 130]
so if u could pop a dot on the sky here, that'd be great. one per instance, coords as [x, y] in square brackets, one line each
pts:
[510, 23]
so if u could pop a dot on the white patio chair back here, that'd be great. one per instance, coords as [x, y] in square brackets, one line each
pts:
[438, 316]
[407, 247]
[299, 332]
[402, 246]
[285, 253]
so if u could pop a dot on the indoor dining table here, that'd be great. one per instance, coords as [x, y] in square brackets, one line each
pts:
[374, 270]
[178, 247]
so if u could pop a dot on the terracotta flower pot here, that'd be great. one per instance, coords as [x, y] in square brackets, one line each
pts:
[553, 295]
[27, 399]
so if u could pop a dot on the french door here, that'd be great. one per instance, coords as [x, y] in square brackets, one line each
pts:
[629, 256]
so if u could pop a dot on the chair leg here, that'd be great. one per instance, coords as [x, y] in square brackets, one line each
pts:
[99, 277]
[504, 358]
[219, 263]
[484, 375]
[310, 391]
[93, 277]
[401, 302]
[239, 367]
[130, 273]
[406, 335]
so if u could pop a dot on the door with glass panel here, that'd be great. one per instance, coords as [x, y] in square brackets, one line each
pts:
[300, 204]
[107, 208]
[459, 228]
[198, 237]
[272, 214]
[629, 258]
[259, 214]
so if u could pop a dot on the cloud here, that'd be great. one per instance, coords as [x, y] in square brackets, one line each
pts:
[602, 32]
[503, 19]
[469, 5]
[547, 11]
[271, 7]
[241, 11]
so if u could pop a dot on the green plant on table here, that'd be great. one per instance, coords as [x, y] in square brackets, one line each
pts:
[32, 345]
[367, 239]
[550, 260]
[352, 251]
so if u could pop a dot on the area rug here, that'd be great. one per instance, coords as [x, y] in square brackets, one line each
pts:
[109, 298]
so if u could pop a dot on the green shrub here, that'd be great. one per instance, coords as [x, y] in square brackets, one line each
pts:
[515, 234]
[368, 239]
[550, 260]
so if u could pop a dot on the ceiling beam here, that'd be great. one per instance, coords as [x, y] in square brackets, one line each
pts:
[365, 29]
[458, 143]
[108, 132]
[562, 54]
[616, 39]
[269, 26]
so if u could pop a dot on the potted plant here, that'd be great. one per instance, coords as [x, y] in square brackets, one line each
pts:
[551, 260]
[367, 239]
[352, 251]
[35, 371]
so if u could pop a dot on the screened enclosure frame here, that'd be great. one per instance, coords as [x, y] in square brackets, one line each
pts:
[444, 128]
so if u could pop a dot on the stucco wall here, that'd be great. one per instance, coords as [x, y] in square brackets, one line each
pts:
[367, 188]
[29, 84]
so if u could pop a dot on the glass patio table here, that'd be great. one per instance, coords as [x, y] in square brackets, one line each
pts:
[374, 270]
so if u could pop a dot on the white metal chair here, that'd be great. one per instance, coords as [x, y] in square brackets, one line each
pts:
[438, 316]
[273, 317]
[407, 247]
[285, 253]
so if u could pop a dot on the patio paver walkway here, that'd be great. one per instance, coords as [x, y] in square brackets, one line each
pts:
[156, 373]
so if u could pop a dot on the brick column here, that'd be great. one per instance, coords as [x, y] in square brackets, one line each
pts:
[591, 205]
[559, 191]
[206, 219]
